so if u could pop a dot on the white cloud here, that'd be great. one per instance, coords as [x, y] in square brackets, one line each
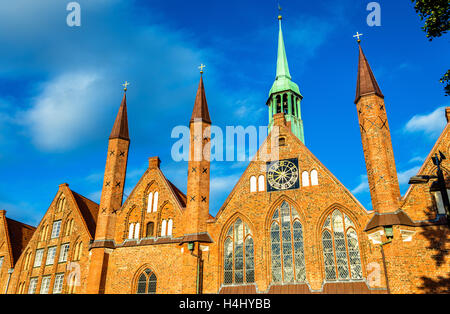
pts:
[65, 112]
[431, 124]
[403, 177]
[363, 187]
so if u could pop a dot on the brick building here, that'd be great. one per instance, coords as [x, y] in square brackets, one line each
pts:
[288, 226]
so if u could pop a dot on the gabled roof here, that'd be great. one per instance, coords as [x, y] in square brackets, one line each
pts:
[88, 210]
[182, 198]
[18, 236]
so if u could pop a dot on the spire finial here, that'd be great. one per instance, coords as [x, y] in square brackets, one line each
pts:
[125, 86]
[279, 9]
[358, 35]
[201, 67]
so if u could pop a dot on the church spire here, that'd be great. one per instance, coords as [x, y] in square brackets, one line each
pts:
[201, 111]
[285, 96]
[120, 128]
[366, 84]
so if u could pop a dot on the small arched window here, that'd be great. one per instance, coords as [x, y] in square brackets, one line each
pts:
[305, 178]
[261, 183]
[169, 227]
[131, 231]
[239, 263]
[314, 178]
[281, 141]
[150, 202]
[146, 282]
[287, 247]
[136, 231]
[150, 227]
[341, 249]
[253, 187]
[163, 228]
[155, 202]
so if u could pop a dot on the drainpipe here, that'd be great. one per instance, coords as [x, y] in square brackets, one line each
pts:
[384, 265]
[10, 272]
[199, 257]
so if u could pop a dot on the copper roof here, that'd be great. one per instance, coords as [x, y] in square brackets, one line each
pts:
[120, 128]
[201, 106]
[389, 219]
[366, 84]
[19, 236]
[89, 211]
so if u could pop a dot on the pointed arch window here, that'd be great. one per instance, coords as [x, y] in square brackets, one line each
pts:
[305, 178]
[136, 231]
[314, 178]
[131, 231]
[169, 227]
[261, 183]
[341, 249]
[150, 227]
[150, 202]
[155, 202]
[287, 246]
[163, 228]
[146, 282]
[253, 184]
[239, 263]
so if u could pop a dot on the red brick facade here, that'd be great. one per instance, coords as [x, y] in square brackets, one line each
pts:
[316, 238]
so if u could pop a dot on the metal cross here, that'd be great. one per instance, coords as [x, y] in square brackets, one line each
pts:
[125, 85]
[201, 67]
[358, 35]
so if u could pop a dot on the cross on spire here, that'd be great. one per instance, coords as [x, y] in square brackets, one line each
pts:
[201, 67]
[125, 85]
[358, 35]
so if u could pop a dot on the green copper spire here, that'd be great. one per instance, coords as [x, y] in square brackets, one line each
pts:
[283, 80]
[285, 96]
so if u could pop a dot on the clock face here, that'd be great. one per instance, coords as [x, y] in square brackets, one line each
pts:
[282, 175]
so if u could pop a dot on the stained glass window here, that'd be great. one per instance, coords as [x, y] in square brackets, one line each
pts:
[287, 246]
[146, 282]
[341, 249]
[239, 264]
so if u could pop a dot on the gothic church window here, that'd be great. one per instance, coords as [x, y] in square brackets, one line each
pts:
[305, 178]
[150, 228]
[163, 228]
[136, 231]
[261, 183]
[169, 227]
[314, 178]
[439, 202]
[131, 231]
[287, 246]
[253, 187]
[152, 202]
[155, 202]
[341, 249]
[239, 263]
[56, 229]
[146, 282]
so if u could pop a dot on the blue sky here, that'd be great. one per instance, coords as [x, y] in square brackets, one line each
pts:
[60, 87]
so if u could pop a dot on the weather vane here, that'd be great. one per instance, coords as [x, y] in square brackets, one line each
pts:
[125, 85]
[358, 35]
[201, 67]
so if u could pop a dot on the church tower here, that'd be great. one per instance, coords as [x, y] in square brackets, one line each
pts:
[197, 208]
[285, 97]
[111, 199]
[376, 140]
